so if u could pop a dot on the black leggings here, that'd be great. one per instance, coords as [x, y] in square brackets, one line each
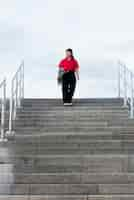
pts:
[68, 86]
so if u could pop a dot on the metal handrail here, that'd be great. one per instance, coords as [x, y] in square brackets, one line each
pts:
[3, 108]
[126, 86]
[17, 94]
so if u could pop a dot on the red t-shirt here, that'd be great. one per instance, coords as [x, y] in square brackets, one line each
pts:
[69, 65]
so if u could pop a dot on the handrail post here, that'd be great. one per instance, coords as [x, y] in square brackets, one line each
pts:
[23, 80]
[132, 97]
[3, 104]
[19, 90]
[16, 100]
[119, 78]
[11, 109]
[125, 86]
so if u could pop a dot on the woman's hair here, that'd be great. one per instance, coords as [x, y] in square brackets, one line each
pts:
[71, 51]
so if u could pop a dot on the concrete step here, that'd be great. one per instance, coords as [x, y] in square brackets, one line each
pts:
[80, 100]
[74, 123]
[73, 116]
[70, 118]
[66, 189]
[112, 121]
[75, 101]
[66, 163]
[35, 130]
[66, 135]
[21, 168]
[43, 138]
[129, 122]
[90, 151]
[76, 129]
[82, 152]
[44, 117]
[73, 112]
[72, 148]
[72, 137]
[75, 144]
[72, 108]
[67, 178]
[67, 197]
[63, 128]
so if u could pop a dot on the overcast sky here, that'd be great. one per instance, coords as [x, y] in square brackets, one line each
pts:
[99, 31]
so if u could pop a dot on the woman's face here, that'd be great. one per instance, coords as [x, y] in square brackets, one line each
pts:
[68, 54]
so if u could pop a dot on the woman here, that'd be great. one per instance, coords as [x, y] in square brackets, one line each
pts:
[70, 68]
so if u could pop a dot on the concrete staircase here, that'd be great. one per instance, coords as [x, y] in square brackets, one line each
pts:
[84, 152]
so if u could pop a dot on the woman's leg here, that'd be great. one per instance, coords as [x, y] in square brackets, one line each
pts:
[72, 85]
[65, 88]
